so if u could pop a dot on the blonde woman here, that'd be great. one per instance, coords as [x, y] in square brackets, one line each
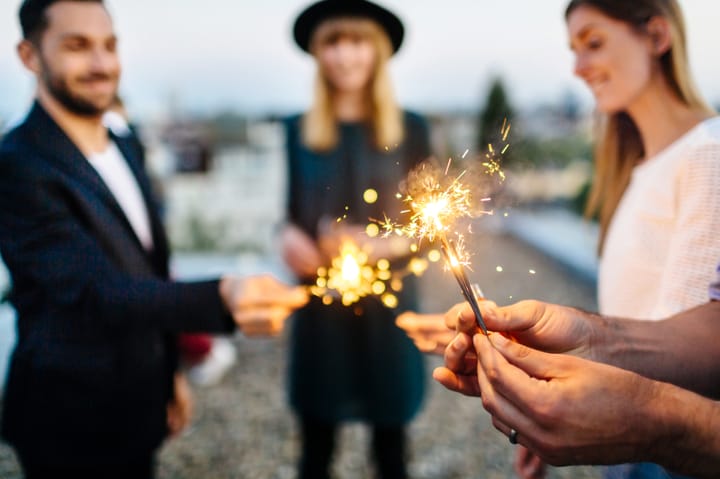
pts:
[350, 363]
[657, 167]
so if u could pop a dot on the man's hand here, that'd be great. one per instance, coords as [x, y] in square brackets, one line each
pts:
[428, 331]
[569, 410]
[460, 371]
[180, 409]
[260, 304]
[547, 327]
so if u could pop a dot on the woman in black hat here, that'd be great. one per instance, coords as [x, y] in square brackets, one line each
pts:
[350, 362]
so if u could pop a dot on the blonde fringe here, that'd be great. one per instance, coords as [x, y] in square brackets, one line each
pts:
[319, 124]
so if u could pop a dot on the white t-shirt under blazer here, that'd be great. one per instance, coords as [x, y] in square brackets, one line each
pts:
[117, 175]
[663, 243]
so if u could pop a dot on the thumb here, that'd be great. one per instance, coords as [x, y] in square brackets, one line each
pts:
[515, 317]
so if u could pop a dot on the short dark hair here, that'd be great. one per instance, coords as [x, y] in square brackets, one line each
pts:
[33, 18]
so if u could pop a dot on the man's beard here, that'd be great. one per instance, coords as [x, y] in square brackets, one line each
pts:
[58, 88]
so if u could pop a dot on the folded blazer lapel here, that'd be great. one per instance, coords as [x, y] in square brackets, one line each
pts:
[131, 149]
[56, 144]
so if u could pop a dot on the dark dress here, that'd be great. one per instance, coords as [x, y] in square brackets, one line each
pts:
[353, 363]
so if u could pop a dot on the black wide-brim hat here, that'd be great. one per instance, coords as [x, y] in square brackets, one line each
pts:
[312, 16]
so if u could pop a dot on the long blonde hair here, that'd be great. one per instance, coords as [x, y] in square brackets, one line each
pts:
[320, 125]
[619, 145]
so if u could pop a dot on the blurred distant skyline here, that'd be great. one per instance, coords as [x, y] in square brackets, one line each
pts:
[219, 55]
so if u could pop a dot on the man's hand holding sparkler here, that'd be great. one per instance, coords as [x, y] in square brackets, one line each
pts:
[548, 327]
[260, 304]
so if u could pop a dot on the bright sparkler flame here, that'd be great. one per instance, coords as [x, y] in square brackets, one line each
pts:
[435, 206]
[350, 270]
[437, 201]
[351, 277]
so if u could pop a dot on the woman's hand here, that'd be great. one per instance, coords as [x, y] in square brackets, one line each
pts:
[428, 331]
[528, 465]
[300, 252]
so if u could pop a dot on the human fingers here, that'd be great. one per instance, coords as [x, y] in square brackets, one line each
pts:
[456, 354]
[493, 369]
[412, 321]
[300, 252]
[266, 290]
[427, 331]
[452, 316]
[432, 343]
[263, 321]
[180, 409]
[462, 318]
[528, 465]
[293, 298]
[534, 363]
[516, 317]
[464, 384]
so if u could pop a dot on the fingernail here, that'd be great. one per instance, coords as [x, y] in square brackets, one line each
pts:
[499, 339]
[458, 342]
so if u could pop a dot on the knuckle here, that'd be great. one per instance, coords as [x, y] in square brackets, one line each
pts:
[493, 375]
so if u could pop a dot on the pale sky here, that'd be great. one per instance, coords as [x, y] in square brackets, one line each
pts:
[238, 54]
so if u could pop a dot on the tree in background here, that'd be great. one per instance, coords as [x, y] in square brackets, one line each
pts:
[496, 110]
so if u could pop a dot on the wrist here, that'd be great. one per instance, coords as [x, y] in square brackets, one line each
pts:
[228, 288]
[685, 436]
[603, 339]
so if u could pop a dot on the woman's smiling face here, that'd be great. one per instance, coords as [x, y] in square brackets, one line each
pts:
[615, 60]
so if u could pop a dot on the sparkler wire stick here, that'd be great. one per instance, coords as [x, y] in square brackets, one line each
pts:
[458, 271]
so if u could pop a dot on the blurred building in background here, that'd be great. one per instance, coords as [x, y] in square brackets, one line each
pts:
[221, 180]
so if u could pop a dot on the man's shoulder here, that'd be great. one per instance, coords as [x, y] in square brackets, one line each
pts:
[19, 151]
[12, 143]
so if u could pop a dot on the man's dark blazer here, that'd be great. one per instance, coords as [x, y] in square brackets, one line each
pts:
[91, 374]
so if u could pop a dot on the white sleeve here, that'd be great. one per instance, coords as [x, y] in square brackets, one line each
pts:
[695, 246]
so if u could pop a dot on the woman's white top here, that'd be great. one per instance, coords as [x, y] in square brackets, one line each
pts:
[663, 243]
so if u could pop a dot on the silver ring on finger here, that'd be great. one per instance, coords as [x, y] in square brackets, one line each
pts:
[513, 437]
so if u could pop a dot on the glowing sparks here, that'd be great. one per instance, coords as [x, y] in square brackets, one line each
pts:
[370, 196]
[418, 266]
[492, 159]
[434, 256]
[372, 230]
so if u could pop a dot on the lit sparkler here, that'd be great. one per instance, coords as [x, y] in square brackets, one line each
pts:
[351, 277]
[436, 202]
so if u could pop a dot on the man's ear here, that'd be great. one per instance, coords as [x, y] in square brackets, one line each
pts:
[659, 30]
[29, 55]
